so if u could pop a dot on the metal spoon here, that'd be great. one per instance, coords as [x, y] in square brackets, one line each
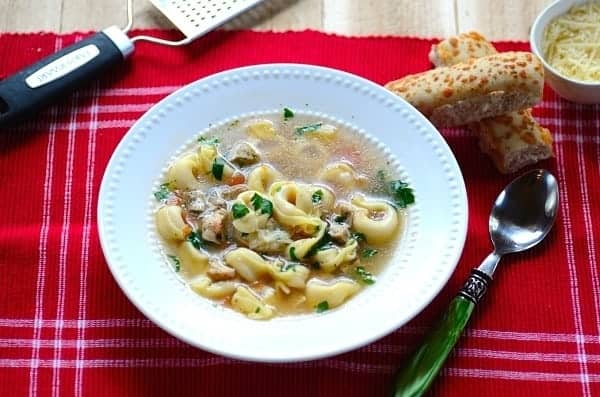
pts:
[522, 216]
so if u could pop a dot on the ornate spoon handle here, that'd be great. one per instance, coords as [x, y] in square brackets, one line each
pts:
[422, 368]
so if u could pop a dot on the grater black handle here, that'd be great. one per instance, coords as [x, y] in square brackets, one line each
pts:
[30, 89]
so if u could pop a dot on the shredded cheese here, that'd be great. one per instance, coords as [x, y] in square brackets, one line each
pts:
[572, 42]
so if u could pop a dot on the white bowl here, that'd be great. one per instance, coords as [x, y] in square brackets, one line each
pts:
[425, 259]
[568, 88]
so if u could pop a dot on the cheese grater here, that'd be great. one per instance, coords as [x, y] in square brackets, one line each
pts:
[28, 90]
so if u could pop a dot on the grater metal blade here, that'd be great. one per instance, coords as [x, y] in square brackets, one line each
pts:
[194, 18]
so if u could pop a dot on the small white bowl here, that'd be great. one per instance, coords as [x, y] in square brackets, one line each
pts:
[568, 88]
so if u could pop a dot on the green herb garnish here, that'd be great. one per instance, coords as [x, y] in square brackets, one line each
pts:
[359, 237]
[287, 113]
[322, 306]
[293, 254]
[217, 168]
[257, 310]
[209, 140]
[369, 252]
[239, 210]
[288, 266]
[163, 193]
[323, 243]
[402, 195]
[308, 128]
[365, 276]
[340, 219]
[261, 204]
[317, 197]
[196, 240]
[176, 262]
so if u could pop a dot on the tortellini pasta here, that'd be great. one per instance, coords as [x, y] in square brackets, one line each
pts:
[182, 174]
[206, 287]
[206, 157]
[376, 219]
[301, 248]
[325, 132]
[249, 265]
[170, 223]
[343, 174]
[193, 261]
[261, 178]
[253, 267]
[247, 302]
[314, 199]
[279, 215]
[331, 258]
[334, 293]
[253, 220]
[286, 212]
[262, 129]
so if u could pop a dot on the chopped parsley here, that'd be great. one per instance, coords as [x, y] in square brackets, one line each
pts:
[323, 243]
[369, 252]
[209, 140]
[317, 197]
[340, 219]
[359, 237]
[176, 262]
[217, 168]
[257, 310]
[287, 113]
[401, 194]
[288, 266]
[163, 193]
[196, 240]
[322, 306]
[261, 204]
[293, 254]
[365, 276]
[308, 128]
[239, 210]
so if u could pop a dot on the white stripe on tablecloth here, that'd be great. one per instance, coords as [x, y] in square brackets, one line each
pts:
[138, 91]
[63, 248]
[458, 351]
[472, 333]
[573, 281]
[337, 364]
[125, 108]
[170, 343]
[588, 222]
[517, 375]
[85, 243]
[40, 285]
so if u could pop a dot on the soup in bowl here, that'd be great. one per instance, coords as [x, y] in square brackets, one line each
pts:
[280, 214]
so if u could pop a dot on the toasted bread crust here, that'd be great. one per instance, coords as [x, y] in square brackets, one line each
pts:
[513, 140]
[474, 90]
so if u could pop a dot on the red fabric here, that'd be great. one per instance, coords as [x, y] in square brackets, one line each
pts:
[67, 329]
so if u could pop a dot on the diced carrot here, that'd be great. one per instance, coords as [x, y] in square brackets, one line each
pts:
[236, 179]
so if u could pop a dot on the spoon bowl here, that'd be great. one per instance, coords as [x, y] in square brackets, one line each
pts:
[524, 212]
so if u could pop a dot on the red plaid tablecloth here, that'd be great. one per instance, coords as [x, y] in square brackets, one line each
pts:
[67, 329]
